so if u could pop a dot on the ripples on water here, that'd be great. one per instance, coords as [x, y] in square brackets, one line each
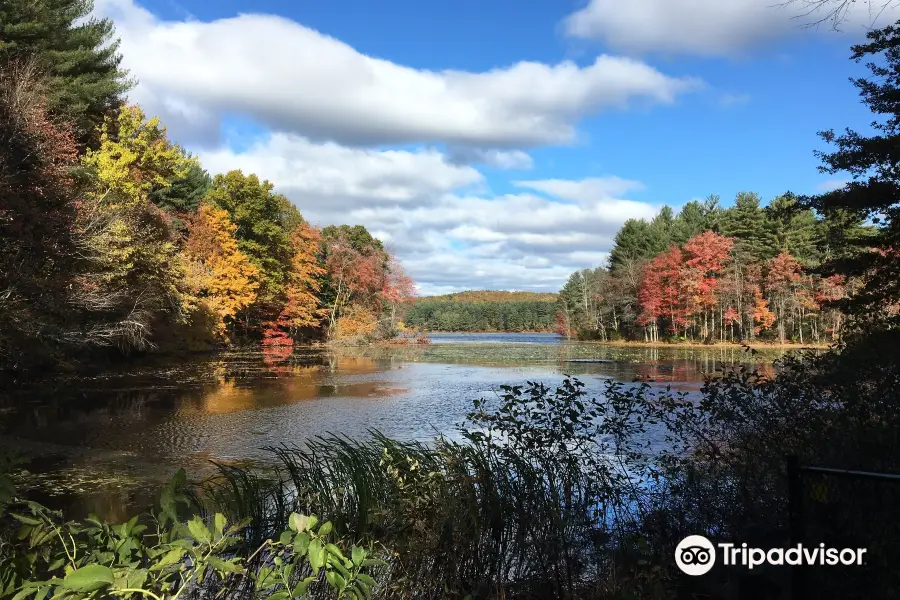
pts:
[101, 442]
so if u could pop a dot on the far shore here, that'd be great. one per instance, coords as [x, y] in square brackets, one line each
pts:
[756, 345]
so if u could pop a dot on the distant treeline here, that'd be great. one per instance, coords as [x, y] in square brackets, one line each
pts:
[484, 311]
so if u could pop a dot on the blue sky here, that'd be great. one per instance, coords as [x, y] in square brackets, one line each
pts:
[496, 144]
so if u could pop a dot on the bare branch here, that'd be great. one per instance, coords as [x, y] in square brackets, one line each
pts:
[834, 11]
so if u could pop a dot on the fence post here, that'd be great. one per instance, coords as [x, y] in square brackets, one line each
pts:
[795, 523]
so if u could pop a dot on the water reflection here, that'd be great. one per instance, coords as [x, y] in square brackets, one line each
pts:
[103, 442]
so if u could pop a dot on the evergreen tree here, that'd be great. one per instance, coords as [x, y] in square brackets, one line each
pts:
[690, 221]
[795, 229]
[661, 230]
[632, 242]
[872, 161]
[746, 222]
[184, 193]
[77, 54]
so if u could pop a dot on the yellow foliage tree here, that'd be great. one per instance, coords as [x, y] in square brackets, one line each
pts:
[135, 155]
[219, 275]
[303, 308]
[356, 321]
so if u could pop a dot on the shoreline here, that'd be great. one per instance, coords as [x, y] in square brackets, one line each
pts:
[756, 345]
[753, 345]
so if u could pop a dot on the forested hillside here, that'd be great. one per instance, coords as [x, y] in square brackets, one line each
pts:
[114, 239]
[710, 273]
[483, 310]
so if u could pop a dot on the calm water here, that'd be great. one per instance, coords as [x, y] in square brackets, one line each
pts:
[102, 444]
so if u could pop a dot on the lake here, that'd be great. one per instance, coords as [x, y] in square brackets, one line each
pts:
[102, 444]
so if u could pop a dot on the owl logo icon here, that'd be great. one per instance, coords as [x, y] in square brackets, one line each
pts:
[695, 555]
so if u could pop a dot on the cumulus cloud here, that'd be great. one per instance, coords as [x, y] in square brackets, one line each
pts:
[295, 79]
[710, 27]
[343, 177]
[586, 190]
[446, 237]
[331, 120]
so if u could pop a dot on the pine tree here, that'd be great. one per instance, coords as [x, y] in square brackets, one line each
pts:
[746, 222]
[872, 161]
[690, 221]
[183, 194]
[795, 229]
[77, 54]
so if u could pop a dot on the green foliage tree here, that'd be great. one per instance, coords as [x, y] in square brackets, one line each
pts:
[258, 213]
[794, 228]
[77, 53]
[746, 222]
[874, 192]
[358, 236]
[632, 241]
[184, 193]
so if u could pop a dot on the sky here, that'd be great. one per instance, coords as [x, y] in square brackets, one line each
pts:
[498, 144]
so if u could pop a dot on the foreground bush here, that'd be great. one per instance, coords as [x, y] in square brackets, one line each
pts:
[162, 557]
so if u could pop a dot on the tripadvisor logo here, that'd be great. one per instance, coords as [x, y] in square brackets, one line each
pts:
[696, 555]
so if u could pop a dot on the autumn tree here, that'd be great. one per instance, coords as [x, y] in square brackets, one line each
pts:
[259, 213]
[220, 278]
[397, 289]
[135, 158]
[357, 268]
[132, 276]
[782, 283]
[706, 256]
[37, 208]
[302, 306]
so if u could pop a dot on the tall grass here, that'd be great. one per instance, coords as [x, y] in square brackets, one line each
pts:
[529, 506]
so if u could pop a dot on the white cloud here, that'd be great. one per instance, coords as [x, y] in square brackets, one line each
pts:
[343, 177]
[293, 78]
[710, 27]
[831, 184]
[586, 190]
[498, 159]
[329, 116]
[416, 202]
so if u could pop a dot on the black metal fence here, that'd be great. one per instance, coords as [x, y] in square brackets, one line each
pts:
[836, 508]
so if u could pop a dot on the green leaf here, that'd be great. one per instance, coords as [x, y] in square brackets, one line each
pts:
[301, 543]
[298, 522]
[357, 555]
[336, 551]
[366, 579]
[300, 588]
[199, 531]
[326, 528]
[285, 538]
[171, 557]
[89, 578]
[24, 593]
[223, 566]
[136, 578]
[316, 555]
[335, 580]
[220, 522]
[24, 519]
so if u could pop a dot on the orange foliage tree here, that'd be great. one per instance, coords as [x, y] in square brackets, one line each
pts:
[302, 307]
[219, 276]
